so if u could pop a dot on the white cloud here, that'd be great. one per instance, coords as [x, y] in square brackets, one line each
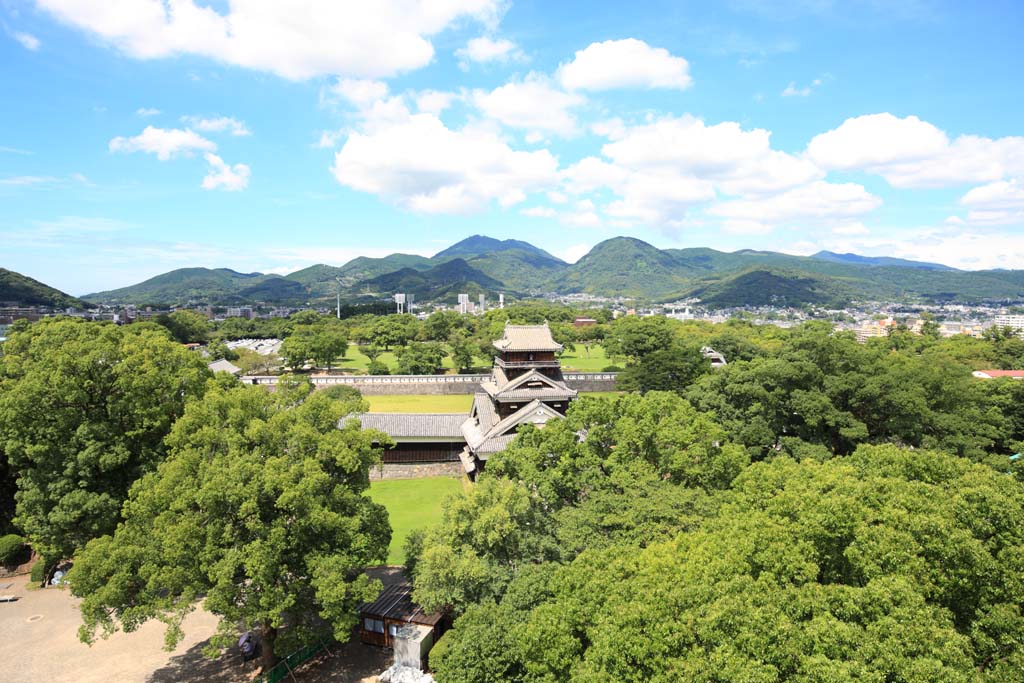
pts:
[818, 202]
[957, 246]
[27, 40]
[661, 169]
[999, 203]
[584, 216]
[15, 150]
[613, 129]
[574, 253]
[434, 101]
[147, 111]
[792, 91]
[627, 63]
[165, 143]
[538, 212]
[534, 104]
[28, 180]
[222, 176]
[217, 124]
[361, 92]
[424, 166]
[910, 153]
[854, 228]
[322, 37]
[329, 138]
[484, 49]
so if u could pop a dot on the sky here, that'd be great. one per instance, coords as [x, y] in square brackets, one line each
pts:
[140, 136]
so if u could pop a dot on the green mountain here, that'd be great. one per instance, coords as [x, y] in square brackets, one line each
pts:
[478, 245]
[443, 282]
[618, 267]
[322, 280]
[21, 290]
[856, 259]
[762, 286]
[216, 285]
[624, 266]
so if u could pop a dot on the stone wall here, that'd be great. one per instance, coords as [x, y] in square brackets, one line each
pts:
[416, 470]
[380, 385]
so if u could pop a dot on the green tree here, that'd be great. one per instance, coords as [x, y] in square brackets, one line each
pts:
[634, 337]
[419, 358]
[672, 369]
[462, 350]
[84, 409]
[187, 327]
[259, 508]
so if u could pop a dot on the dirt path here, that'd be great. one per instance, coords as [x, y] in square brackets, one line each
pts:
[39, 642]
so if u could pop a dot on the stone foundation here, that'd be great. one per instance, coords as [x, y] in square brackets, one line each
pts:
[393, 385]
[416, 470]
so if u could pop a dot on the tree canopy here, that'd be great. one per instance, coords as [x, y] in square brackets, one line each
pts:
[84, 409]
[259, 508]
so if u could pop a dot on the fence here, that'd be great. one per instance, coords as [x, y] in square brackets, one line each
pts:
[286, 666]
[433, 384]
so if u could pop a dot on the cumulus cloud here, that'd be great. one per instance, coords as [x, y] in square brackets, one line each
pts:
[484, 49]
[222, 176]
[534, 104]
[361, 92]
[324, 37]
[539, 212]
[165, 143]
[820, 202]
[422, 165]
[911, 153]
[217, 124]
[627, 63]
[999, 203]
[958, 246]
[434, 101]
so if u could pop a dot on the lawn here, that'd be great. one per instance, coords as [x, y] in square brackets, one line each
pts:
[420, 403]
[357, 363]
[412, 504]
[582, 361]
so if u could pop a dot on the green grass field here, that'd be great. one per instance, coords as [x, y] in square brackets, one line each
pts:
[412, 504]
[356, 362]
[420, 403]
[594, 361]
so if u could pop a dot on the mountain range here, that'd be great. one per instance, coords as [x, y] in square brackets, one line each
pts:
[618, 267]
[20, 290]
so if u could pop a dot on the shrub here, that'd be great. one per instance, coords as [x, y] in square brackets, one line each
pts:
[377, 367]
[38, 570]
[612, 368]
[413, 549]
[10, 547]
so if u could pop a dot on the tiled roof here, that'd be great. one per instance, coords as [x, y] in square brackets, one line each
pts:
[425, 425]
[223, 365]
[542, 393]
[527, 338]
[517, 389]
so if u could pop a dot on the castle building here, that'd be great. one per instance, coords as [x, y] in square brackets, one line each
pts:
[525, 387]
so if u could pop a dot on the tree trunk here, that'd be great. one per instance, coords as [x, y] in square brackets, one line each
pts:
[268, 659]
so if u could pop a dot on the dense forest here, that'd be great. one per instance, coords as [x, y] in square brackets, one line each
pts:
[816, 510]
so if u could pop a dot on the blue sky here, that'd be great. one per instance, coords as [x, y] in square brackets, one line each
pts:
[146, 135]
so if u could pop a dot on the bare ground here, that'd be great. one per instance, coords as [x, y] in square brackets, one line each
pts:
[39, 642]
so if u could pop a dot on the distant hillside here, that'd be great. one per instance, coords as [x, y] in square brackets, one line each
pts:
[856, 259]
[618, 267]
[772, 287]
[218, 285]
[480, 244]
[443, 282]
[624, 266]
[21, 290]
